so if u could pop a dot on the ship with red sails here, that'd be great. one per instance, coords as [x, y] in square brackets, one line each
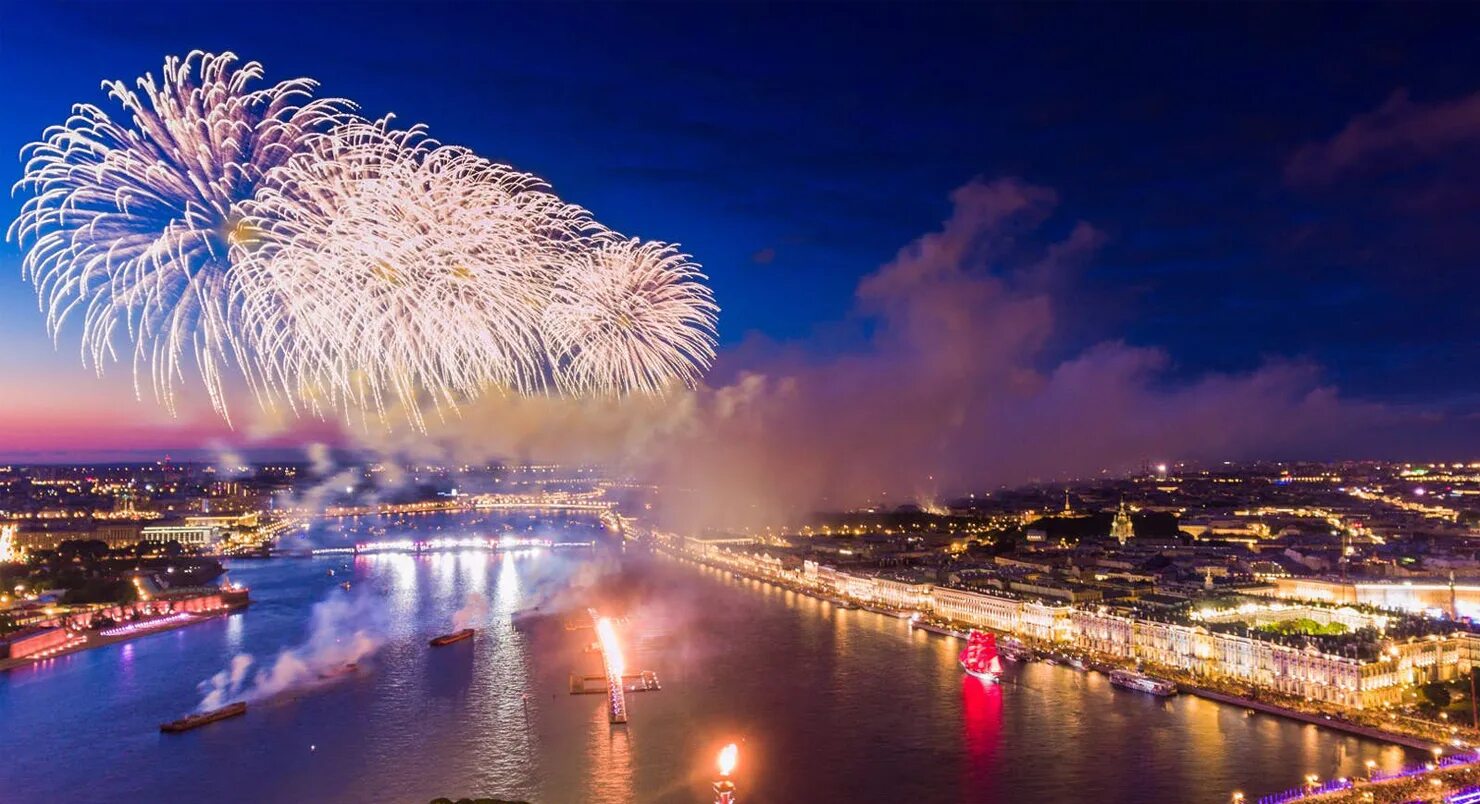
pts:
[980, 657]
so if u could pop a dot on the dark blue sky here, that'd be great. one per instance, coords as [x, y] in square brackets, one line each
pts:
[794, 149]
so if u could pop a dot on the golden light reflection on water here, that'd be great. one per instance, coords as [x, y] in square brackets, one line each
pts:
[609, 754]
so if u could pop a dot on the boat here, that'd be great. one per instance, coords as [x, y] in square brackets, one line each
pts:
[980, 657]
[199, 719]
[923, 625]
[335, 672]
[448, 639]
[1016, 651]
[1132, 680]
[1078, 664]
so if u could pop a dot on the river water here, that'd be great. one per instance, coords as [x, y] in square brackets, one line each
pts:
[827, 705]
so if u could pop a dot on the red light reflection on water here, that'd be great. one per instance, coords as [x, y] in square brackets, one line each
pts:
[981, 721]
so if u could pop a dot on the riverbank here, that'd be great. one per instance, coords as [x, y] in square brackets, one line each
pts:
[1322, 720]
[97, 638]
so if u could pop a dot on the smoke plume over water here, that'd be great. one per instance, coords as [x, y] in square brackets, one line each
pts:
[473, 614]
[343, 629]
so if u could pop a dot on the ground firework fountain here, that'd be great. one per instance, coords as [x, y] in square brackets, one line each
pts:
[724, 789]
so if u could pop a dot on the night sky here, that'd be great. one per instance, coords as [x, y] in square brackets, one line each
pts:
[1239, 185]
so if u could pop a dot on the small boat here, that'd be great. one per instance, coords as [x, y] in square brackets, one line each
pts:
[1132, 680]
[1016, 651]
[199, 719]
[933, 628]
[448, 639]
[335, 672]
[980, 657]
[1078, 664]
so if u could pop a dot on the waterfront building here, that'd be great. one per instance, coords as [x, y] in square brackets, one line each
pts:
[1418, 595]
[189, 535]
[1194, 648]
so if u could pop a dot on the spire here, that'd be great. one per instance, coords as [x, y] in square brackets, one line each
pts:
[1121, 529]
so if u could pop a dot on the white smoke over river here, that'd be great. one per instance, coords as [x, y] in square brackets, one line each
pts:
[343, 630]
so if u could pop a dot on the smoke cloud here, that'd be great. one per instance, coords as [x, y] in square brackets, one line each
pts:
[473, 614]
[343, 630]
[954, 390]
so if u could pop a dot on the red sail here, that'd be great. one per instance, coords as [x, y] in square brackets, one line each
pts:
[980, 655]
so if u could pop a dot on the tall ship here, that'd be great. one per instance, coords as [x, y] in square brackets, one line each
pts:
[1132, 680]
[980, 657]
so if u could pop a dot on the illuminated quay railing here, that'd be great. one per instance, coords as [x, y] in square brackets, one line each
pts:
[73, 641]
[1306, 791]
[1466, 758]
[150, 625]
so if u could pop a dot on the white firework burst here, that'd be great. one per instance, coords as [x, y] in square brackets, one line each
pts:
[131, 216]
[627, 316]
[384, 267]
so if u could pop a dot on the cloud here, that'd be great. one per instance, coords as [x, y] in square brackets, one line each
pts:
[1399, 129]
[952, 393]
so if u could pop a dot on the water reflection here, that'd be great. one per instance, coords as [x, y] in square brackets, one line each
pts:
[981, 721]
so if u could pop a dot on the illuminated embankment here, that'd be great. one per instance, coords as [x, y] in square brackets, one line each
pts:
[496, 543]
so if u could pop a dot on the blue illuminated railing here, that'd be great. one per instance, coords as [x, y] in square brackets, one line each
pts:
[1297, 793]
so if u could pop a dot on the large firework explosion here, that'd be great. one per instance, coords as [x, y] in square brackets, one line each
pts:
[386, 267]
[340, 265]
[131, 216]
[629, 316]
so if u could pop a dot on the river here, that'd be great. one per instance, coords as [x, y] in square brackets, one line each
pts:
[827, 705]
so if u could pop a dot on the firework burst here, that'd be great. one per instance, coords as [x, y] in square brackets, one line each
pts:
[628, 316]
[387, 267]
[337, 264]
[131, 217]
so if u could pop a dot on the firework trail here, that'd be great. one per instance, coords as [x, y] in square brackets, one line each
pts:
[629, 316]
[341, 266]
[131, 217]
